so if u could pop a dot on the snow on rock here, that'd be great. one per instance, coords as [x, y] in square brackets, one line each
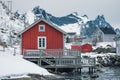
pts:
[105, 44]
[95, 55]
[105, 57]
[30, 17]
[71, 28]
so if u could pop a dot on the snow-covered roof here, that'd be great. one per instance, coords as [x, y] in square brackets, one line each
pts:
[55, 27]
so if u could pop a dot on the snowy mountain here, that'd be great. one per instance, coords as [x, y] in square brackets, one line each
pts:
[69, 19]
[88, 29]
[69, 23]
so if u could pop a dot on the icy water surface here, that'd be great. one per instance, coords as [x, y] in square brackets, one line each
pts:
[106, 73]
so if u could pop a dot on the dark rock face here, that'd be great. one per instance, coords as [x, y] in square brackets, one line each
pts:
[117, 61]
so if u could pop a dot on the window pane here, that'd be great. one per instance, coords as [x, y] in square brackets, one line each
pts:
[42, 42]
[39, 42]
[41, 28]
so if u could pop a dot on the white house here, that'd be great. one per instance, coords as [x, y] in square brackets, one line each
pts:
[103, 35]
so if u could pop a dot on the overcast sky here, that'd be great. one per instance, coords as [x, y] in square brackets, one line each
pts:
[109, 8]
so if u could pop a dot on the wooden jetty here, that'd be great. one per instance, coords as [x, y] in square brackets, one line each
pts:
[58, 58]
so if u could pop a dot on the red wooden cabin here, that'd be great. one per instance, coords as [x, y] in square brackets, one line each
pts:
[42, 35]
[83, 48]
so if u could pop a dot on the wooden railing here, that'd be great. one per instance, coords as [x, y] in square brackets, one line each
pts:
[60, 57]
[32, 53]
[72, 61]
[68, 61]
[51, 53]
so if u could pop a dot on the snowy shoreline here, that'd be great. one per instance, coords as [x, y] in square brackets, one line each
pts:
[14, 66]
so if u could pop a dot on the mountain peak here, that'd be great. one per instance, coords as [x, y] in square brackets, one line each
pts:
[91, 25]
[100, 18]
[101, 22]
[75, 13]
[37, 10]
[85, 16]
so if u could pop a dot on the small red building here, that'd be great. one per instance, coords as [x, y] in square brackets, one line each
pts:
[83, 48]
[42, 35]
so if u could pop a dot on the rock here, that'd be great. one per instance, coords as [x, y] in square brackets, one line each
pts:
[85, 76]
[64, 73]
[117, 63]
[94, 75]
[36, 77]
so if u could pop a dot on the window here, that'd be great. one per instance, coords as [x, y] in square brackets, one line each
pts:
[41, 42]
[41, 28]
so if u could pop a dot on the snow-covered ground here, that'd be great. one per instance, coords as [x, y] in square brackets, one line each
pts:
[16, 66]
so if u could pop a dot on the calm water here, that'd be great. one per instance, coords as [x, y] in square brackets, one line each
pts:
[106, 73]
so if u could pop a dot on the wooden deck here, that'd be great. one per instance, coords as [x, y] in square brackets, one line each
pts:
[59, 59]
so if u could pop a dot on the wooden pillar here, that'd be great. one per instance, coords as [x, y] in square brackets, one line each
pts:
[80, 70]
[39, 61]
[40, 57]
[55, 69]
[90, 69]
[56, 60]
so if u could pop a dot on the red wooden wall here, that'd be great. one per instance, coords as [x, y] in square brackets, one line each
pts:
[54, 38]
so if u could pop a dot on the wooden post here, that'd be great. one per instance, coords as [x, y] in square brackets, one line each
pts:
[14, 51]
[94, 62]
[79, 56]
[56, 60]
[76, 70]
[80, 70]
[89, 69]
[3, 49]
[39, 61]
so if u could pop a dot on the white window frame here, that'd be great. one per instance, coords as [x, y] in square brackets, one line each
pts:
[40, 28]
[42, 47]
